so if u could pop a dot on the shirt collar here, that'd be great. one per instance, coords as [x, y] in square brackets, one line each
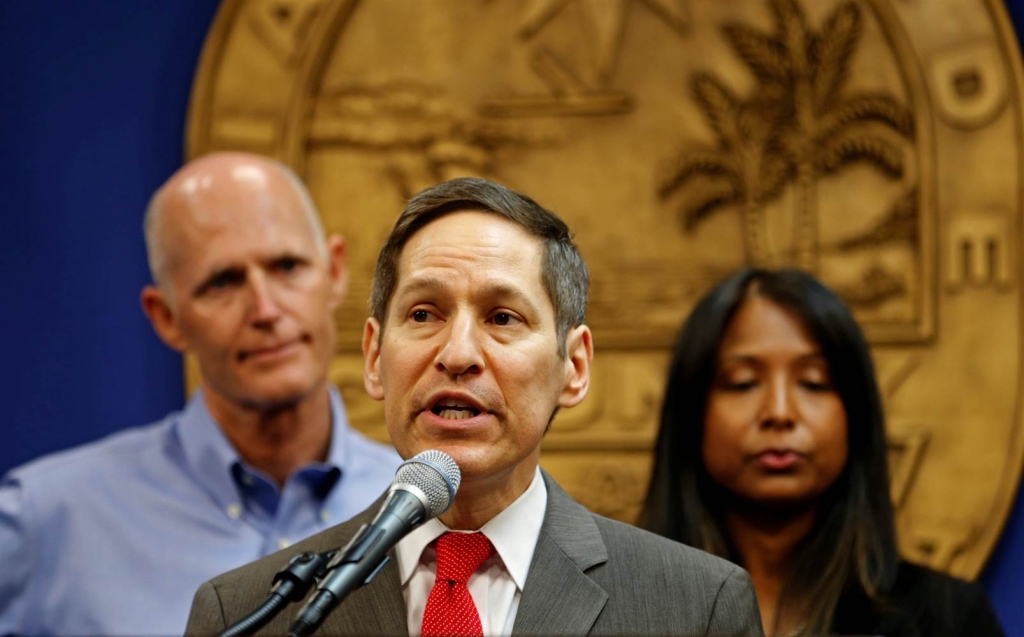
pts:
[212, 458]
[513, 533]
[338, 453]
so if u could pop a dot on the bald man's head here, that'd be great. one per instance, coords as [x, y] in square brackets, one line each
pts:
[215, 181]
[245, 279]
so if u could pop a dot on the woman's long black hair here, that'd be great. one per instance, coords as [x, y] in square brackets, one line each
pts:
[853, 543]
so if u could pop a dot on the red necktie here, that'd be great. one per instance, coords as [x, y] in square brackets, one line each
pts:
[450, 611]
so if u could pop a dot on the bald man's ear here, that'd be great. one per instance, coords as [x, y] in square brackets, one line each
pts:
[337, 269]
[161, 316]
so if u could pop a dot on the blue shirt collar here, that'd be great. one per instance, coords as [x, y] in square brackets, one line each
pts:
[217, 465]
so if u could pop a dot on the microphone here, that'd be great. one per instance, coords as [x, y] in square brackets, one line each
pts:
[424, 487]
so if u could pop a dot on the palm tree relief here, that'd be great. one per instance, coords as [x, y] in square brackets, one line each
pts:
[799, 123]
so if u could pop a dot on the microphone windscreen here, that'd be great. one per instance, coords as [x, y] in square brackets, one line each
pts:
[435, 474]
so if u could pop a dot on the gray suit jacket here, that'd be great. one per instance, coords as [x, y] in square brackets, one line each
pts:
[589, 576]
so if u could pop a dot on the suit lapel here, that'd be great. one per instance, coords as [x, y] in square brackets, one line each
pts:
[569, 544]
[375, 609]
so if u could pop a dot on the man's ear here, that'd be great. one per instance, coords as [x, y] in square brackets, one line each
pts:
[337, 269]
[579, 348]
[371, 359]
[161, 317]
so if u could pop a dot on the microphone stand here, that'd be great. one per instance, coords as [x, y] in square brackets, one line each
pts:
[405, 508]
[290, 585]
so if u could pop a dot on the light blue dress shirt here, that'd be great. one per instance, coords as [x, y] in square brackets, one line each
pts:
[114, 537]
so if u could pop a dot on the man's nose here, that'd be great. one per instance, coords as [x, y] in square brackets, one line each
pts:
[461, 352]
[264, 309]
[779, 408]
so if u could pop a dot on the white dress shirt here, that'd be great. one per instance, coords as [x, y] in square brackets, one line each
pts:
[498, 584]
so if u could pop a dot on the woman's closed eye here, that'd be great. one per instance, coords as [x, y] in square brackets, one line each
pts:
[816, 384]
[739, 384]
[814, 377]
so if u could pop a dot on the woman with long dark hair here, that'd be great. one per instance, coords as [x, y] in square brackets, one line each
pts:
[772, 453]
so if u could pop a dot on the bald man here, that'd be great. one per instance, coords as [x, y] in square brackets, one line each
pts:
[114, 537]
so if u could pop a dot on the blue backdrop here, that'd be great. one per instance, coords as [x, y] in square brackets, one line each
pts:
[93, 98]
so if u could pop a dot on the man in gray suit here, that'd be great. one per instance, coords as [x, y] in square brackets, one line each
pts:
[477, 338]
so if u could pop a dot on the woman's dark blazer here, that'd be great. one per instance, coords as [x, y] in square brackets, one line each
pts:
[922, 603]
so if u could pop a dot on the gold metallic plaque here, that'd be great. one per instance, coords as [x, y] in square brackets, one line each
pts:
[877, 143]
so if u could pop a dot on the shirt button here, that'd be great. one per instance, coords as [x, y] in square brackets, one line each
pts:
[234, 511]
[247, 480]
[283, 543]
[325, 515]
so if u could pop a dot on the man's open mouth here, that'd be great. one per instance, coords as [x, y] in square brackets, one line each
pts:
[452, 409]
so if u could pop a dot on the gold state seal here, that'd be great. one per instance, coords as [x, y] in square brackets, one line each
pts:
[877, 143]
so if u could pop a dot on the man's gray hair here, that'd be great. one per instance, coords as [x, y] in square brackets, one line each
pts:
[563, 270]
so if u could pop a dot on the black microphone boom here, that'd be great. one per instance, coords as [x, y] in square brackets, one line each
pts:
[290, 585]
[424, 487]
